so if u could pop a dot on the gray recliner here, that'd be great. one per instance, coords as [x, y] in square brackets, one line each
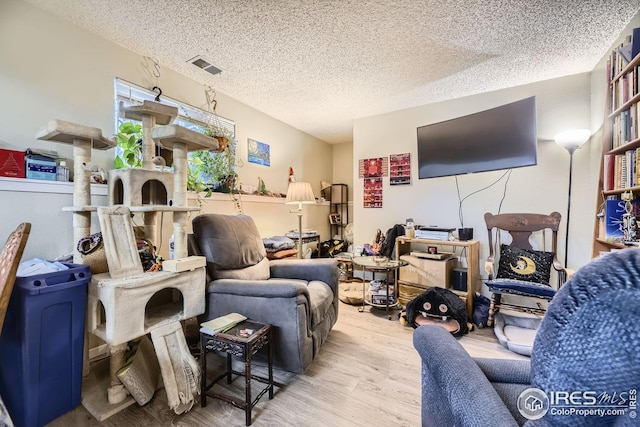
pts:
[587, 343]
[298, 297]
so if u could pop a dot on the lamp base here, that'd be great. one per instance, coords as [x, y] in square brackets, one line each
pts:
[300, 235]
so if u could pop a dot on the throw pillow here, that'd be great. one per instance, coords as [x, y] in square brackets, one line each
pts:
[521, 264]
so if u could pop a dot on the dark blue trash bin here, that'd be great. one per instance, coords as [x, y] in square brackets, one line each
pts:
[41, 345]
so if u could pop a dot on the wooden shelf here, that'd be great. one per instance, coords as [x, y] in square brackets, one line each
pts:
[615, 245]
[339, 204]
[626, 105]
[617, 191]
[626, 147]
[599, 244]
[411, 289]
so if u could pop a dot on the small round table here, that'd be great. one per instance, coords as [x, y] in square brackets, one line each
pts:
[375, 265]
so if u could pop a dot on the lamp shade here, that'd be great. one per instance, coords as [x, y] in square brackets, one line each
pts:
[300, 192]
[573, 139]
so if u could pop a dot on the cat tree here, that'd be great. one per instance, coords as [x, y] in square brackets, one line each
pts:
[118, 308]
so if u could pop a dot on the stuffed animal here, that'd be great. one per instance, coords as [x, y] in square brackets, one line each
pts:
[440, 307]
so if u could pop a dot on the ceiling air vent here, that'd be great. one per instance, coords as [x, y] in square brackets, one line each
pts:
[201, 63]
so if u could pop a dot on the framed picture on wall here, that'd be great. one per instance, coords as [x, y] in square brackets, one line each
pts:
[258, 152]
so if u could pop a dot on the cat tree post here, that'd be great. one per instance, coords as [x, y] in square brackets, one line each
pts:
[181, 141]
[83, 139]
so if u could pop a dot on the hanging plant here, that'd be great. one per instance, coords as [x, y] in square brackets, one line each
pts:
[213, 127]
[222, 135]
[214, 170]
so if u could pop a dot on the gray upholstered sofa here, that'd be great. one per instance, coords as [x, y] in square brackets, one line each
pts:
[299, 297]
[587, 342]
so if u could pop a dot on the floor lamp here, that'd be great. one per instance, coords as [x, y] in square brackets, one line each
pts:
[571, 140]
[299, 193]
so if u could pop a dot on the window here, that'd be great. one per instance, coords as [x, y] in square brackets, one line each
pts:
[128, 94]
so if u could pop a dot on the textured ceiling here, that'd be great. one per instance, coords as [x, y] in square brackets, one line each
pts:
[319, 64]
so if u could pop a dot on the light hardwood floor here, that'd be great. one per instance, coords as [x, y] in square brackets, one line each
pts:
[367, 374]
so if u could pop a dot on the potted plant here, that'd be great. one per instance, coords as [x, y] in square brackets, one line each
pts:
[213, 171]
[223, 136]
[129, 143]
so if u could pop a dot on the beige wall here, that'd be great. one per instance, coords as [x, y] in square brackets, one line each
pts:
[51, 69]
[561, 104]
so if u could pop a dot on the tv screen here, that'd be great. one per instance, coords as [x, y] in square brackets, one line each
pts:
[504, 137]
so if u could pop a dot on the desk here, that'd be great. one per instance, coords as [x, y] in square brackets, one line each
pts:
[390, 268]
[233, 344]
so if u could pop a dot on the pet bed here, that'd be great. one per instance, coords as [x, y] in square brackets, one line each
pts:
[516, 333]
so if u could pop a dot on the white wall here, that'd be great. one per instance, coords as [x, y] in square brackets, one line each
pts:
[343, 165]
[51, 69]
[561, 104]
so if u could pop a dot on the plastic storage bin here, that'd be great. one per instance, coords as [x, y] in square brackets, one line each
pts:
[41, 345]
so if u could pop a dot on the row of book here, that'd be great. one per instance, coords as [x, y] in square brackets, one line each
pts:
[625, 126]
[621, 170]
[624, 88]
[622, 56]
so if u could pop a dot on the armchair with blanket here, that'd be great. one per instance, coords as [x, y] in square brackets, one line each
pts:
[587, 343]
[298, 297]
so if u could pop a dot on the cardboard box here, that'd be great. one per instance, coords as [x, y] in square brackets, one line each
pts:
[407, 293]
[427, 272]
[12, 163]
[41, 169]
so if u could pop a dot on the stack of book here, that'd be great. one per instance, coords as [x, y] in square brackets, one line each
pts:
[222, 323]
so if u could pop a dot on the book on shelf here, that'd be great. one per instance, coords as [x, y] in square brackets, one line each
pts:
[614, 209]
[635, 42]
[609, 171]
[222, 323]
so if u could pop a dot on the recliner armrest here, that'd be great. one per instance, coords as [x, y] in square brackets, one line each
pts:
[323, 269]
[454, 389]
[505, 370]
[272, 288]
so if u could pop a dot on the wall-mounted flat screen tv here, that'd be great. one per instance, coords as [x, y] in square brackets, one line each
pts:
[504, 137]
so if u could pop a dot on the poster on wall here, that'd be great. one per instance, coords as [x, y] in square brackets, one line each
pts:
[258, 152]
[373, 192]
[373, 168]
[400, 165]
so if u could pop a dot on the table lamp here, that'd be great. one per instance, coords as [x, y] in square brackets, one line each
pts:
[299, 193]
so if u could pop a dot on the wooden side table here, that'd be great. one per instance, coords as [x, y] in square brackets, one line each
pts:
[242, 347]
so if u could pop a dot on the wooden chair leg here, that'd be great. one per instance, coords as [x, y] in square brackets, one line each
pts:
[493, 307]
